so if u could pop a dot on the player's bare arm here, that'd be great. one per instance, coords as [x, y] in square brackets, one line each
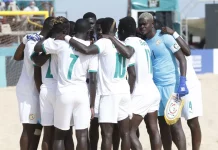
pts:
[38, 48]
[126, 51]
[184, 46]
[19, 54]
[88, 50]
[40, 59]
[37, 77]
[132, 77]
[182, 62]
[92, 88]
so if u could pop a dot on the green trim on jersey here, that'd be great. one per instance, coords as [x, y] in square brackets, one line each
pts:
[43, 48]
[31, 56]
[98, 48]
[92, 71]
[131, 65]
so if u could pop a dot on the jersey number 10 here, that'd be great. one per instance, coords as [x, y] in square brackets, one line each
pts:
[120, 66]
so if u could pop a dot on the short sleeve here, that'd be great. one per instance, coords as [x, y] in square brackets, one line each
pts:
[101, 44]
[171, 43]
[132, 61]
[129, 43]
[49, 46]
[29, 48]
[93, 64]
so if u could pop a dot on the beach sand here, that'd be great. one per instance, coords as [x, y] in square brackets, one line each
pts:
[10, 127]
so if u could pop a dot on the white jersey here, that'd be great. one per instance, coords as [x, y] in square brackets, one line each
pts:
[26, 83]
[191, 77]
[143, 65]
[73, 66]
[112, 69]
[49, 72]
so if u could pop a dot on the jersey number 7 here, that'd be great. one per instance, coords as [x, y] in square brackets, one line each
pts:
[48, 74]
[120, 66]
[74, 58]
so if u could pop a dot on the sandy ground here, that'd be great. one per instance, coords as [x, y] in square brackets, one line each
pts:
[10, 128]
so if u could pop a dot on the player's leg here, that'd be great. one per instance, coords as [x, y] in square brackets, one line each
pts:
[116, 137]
[26, 136]
[123, 119]
[134, 124]
[63, 112]
[47, 141]
[94, 133]
[81, 135]
[68, 141]
[36, 136]
[107, 131]
[138, 133]
[195, 132]
[152, 129]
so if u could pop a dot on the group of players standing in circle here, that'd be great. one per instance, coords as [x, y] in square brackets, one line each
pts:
[130, 79]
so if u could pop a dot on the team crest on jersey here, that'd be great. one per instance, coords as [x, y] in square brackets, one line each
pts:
[176, 46]
[31, 117]
[158, 42]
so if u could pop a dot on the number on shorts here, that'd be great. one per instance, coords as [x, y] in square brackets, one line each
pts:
[74, 58]
[147, 52]
[48, 74]
[120, 66]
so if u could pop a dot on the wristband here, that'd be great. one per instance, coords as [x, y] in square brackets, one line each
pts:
[67, 38]
[175, 35]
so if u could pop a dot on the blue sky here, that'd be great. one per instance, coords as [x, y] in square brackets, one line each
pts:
[105, 8]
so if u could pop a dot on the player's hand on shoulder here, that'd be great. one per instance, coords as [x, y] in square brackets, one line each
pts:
[167, 30]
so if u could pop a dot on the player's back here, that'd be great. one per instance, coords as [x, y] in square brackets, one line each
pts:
[165, 69]
[73, 66]
[112, 69]
[143, 64]
[26, 83]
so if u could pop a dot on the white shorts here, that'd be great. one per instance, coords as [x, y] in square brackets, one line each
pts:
[97, 99]
[29, 109]
[144, 104]
[47, 104]
[193, 103]
[113, 108]
[72, 108]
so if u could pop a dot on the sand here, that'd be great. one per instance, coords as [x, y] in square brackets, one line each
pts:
[10, 128]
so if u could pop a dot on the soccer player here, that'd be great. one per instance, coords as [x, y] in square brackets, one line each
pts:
[113, 86]
[145, 97]
[72, 92]
[72, 28]
[91, 17]
[193, 101]
[28, 101]
[165, 51]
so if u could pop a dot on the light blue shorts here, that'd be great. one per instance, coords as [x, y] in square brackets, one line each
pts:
[165, 93]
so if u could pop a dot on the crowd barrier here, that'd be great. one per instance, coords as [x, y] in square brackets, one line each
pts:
[203, 60]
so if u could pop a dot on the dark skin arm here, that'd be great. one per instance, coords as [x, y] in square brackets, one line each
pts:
[92, 89]
[182, 62]
[37, 77]
[19, 54]
[88, 50]
[38, 47]
[184, 47]
[126, 51]
[132, 77]
[39, 59]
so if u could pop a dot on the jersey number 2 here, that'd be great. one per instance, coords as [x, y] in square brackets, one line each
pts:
[74, 58]
[48, 74]
[120, 66]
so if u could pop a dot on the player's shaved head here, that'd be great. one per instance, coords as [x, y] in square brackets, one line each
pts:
[89, 15]
[147, 16]
[108, 25]
[72, 28]
[127, 25]
[48, 24]
[82, 26]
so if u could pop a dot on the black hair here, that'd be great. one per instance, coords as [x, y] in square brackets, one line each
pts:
[72, 28]
[106, 25]
[82, 26]
[48, 24]
[99, 21]
[89, 15]
[158, 24]
[127, 25]
[60, 24]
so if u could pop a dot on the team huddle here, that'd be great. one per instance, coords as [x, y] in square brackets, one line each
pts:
[88, 74]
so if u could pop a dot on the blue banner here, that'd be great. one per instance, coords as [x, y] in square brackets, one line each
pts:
[203, 61]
